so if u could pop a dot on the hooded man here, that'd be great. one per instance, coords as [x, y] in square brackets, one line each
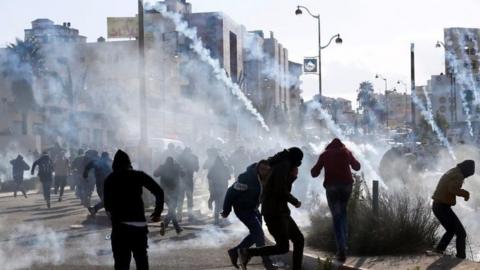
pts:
[337, 160]
[444, 197]
[189, 163]
[124, 205]
[170, 174]
[102, 168]
[276, 197]
[62, 170]
[18, 167]
[45, 174]
[217, 176]
[244, 196]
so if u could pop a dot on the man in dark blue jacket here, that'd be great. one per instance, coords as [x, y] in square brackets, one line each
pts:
[102, 168]
[244, 196]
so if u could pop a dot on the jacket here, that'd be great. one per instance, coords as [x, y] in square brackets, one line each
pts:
[244, 194]
[123, 189]
[449, 187]
[277, 192]
[18, 167]
[46, 169]
[337, 160]
[102, 168]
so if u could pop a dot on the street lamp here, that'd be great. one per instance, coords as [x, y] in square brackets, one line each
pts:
[406, 99]
[378, 76]
[337, 38]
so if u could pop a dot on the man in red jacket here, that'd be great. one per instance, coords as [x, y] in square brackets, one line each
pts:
[337, 160]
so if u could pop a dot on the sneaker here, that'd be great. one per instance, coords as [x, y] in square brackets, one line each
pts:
[233, 254]
[341, 257]
[244, 258]
[433, 252]
[92, 210]
[179, 230]
[162, 228]
[59, 199]
[25, 196]
[48, 205]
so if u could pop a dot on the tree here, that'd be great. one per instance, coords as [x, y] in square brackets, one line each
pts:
[368, 104]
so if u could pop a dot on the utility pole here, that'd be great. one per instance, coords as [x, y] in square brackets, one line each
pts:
[412, 75]
[143, 143]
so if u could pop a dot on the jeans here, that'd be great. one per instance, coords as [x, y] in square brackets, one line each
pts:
[46, 186]
[172, 200]
[186, 189]
[337, 198]
[453, 227]
[283, 228]
[60, 183]
[99, 205]
[253, 221]
[127, 240]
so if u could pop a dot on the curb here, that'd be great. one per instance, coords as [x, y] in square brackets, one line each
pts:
[314, 262]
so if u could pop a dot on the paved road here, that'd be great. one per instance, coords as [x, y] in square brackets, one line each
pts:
[66, 237]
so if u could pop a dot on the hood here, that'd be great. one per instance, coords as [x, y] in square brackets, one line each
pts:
[19, 157]
[335, 144]
[467, 167]
[121, 161]
[294, 155]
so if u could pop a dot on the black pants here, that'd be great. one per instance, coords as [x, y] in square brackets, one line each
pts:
[185, 190]
[128, 240]
[453, 227]
[60, 183]
[283, 228]
[18, 186]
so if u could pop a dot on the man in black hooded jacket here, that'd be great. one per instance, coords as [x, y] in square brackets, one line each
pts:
[284, 170]
[123, 203]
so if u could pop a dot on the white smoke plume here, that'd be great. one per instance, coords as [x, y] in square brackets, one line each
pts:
[428, 116]
[204, 54]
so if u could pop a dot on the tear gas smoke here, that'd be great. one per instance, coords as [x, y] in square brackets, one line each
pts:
[204, 54]
[31, 244]
[428, 116]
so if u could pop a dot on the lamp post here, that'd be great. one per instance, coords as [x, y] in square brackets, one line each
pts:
[377, 76]
[337, 38]
[405, 114]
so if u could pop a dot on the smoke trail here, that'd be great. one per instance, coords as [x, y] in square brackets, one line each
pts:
[429, 102]
[428, 116]
[464, 77]
[204, 54]
[337, 132]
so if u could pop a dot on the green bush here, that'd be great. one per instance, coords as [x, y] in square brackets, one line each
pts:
[404, 225]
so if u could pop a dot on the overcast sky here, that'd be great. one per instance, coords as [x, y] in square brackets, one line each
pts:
[376, 33]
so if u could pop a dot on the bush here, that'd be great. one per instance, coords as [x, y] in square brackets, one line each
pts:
[404, 225]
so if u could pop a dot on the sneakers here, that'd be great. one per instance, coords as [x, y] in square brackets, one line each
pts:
[341, 257]
[233, 254]
[433, 252]
[92, 210]
[244, 258]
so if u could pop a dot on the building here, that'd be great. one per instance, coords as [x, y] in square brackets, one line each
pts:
[45, 31]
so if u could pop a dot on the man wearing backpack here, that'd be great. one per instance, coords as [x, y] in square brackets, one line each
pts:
[45, 174]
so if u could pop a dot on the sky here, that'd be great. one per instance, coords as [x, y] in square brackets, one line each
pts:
[376, 33]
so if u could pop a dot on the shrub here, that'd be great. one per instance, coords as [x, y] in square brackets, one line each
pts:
[404, 225]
